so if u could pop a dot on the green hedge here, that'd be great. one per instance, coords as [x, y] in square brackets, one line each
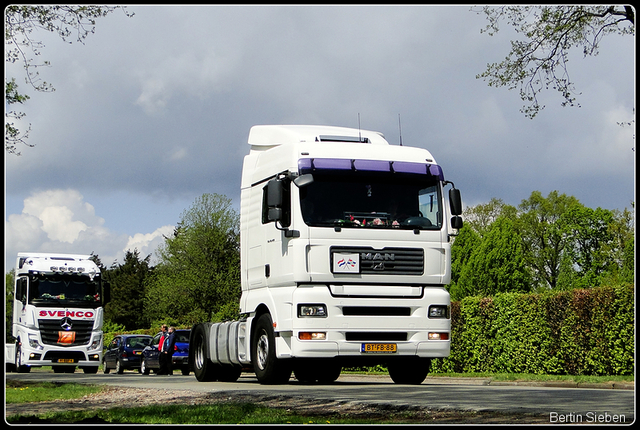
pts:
[579, 332]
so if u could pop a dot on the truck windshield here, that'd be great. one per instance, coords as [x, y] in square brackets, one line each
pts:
[383, 200]
[64, 289]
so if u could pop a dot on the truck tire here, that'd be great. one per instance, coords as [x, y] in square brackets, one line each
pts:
[20, 368]
[316, 370]
[329, 373]
[410, 371]
[229, 372]
[203, 368]
[268, 368]
[90, 370]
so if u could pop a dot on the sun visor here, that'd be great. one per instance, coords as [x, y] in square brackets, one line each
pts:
[310, 165]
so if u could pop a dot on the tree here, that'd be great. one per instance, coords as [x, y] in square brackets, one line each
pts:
[9, 280]
[464, 245]
[497, 264]
[480, 217]
[540, 61]
[544, 238]
[198, 276]
[551, 242]
[127, 282]
[20, 22]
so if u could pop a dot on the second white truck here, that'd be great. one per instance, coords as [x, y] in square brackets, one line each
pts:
[345, 252]
[58, 311]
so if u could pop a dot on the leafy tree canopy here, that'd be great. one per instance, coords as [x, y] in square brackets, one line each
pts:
[539, 61]
[198, 276]
[68, 22]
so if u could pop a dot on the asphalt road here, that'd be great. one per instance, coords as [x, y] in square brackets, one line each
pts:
[559, 404]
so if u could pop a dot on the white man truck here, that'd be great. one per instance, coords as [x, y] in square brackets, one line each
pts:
[345, 245]
[57, 313]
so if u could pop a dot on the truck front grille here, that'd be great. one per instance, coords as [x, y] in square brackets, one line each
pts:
[50, 331]
[386, 261]
[386, 311]
[375, 336]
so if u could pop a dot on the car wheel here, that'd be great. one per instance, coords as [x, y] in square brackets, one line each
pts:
[144, 368]
[119, 368]
[105, 368]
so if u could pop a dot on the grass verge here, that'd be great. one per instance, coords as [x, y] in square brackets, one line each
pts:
[22, 392]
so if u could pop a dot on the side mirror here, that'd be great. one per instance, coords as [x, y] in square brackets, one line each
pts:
[275, 191]
[303, 180]
[456, 222]
[455, 201]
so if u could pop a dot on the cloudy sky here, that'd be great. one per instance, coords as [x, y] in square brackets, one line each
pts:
[154, 111]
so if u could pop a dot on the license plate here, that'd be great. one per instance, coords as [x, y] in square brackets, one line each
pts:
[137, 352]
[379, 347]
[66, 360]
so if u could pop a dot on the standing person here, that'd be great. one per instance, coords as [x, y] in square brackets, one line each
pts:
[167, 351]
[161, 356]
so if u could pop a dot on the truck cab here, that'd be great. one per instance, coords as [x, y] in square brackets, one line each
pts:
[345, 252]
[57, 313]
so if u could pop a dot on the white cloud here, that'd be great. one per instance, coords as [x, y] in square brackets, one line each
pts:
[147, 243]
[61, 221]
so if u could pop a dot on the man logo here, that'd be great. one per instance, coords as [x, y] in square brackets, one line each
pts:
[378, 256]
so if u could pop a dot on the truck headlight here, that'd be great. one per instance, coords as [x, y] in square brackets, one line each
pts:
[97, 340]
[34, 342]
[438, 311]
[312, 310]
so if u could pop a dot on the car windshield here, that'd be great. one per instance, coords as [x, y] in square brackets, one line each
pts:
[138, 342]
[372, 199]
[182, 337]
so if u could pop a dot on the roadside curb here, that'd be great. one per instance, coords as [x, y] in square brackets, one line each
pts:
[451, 380]
[547, 384]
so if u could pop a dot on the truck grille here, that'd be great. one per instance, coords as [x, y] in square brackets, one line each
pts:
[376, 311]
[376, 336]
[50, 331]
[386, 261]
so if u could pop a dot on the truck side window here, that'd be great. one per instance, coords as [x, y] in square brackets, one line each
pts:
[21, 290]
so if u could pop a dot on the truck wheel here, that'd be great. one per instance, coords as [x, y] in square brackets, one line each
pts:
[20, 368]
[411, 371]
[185, 371]
[322, 371]
[229, 373]
[329, 373]
[268, 369]
[203, 368]
[304, 374]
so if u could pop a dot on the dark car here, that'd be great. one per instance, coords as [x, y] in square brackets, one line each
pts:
[150, 355]
[125, 352]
